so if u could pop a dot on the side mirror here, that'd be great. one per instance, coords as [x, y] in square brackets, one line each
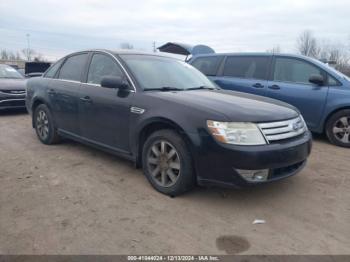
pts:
[317, 80]
[114, 82]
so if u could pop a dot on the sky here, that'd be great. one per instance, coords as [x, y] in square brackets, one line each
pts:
[57, 28]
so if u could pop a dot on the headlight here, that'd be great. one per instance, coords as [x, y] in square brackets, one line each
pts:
[304, 123]
[236, 133]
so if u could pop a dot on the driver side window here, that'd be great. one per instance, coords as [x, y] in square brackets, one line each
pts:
[294, 71]
[101, 66]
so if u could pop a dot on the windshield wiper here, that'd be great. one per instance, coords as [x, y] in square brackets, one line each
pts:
[164, 89]
[202, 87]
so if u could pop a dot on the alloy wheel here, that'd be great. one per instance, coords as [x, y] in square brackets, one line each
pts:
[341, 129]
[163, 163]
[42, 125]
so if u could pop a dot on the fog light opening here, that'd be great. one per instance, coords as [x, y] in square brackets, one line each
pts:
[254, 175]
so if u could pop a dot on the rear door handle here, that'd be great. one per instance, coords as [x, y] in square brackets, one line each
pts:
[274, 87]
[258, 85]
[86, 99]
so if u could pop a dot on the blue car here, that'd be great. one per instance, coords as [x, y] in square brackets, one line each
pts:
[321, 93]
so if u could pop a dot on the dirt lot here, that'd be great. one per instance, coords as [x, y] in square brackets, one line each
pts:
[71, 199]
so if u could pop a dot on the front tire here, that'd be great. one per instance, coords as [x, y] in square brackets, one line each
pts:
[167, 163]
[338, 128]
[44, 125]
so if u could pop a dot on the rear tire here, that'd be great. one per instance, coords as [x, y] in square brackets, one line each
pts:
[167, 163]
[44, 125]
[338, 128]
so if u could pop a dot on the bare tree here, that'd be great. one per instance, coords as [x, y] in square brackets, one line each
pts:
[126, 45]
[341, 59]
[9, 55]
[333, 51]
[4, 54]
[335, 54]
[307, 44]
[18, 56]
[28, 53]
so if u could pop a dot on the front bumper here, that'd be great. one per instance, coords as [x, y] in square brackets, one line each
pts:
[216, 163]
[12, 101]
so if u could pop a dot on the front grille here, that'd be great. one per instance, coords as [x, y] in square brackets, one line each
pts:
[13, 92]
[281, 130]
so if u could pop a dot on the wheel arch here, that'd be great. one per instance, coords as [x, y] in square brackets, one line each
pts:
[324, 124]
[36, 102]
[154, 125]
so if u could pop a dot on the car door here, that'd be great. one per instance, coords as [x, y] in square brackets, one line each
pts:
[104, 112]
[290, 83]
[245, 74]
[63, 93]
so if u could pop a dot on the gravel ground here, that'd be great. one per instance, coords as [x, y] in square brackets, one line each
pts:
[72, 199]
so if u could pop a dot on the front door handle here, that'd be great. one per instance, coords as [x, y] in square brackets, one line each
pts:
[86, 99]
[258, 85]
[275, 87]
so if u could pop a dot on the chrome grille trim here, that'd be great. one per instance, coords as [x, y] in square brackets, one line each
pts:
[280, 130]
[11, 100]
[13, 92]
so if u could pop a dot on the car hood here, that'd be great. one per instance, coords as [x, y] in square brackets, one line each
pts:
[12, 84]
[236, 106]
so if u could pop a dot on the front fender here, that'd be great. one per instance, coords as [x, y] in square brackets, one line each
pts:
[338, 99]
[143, 122]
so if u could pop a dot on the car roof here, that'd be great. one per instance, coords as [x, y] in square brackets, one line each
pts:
[255, 54]
[126, 52]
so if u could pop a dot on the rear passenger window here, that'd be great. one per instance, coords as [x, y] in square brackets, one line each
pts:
[246, 67]
[73, 67]
[294, 70]
[207, 65]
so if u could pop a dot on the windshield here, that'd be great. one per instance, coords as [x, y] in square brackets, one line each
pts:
[154, 72]
[330, 68]
[9, 72]
[337, 72]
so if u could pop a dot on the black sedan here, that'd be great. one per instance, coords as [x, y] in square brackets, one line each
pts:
[12, 88]
[169, 119]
